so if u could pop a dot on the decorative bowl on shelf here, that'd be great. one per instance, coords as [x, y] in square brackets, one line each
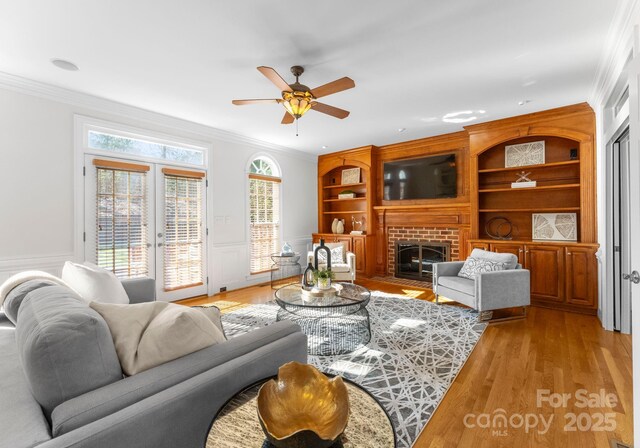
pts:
[303, 408]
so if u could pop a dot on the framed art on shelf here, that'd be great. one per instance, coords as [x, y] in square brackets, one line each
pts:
[555, 227]
[351, 176]
[524, 154]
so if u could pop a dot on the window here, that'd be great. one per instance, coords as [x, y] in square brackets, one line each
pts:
[264, 213]
[121, 218]
[137, 147]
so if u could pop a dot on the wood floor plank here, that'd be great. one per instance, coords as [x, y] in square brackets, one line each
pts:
[549, 349]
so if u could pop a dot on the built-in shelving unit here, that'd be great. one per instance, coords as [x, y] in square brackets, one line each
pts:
[359, 208]
[557, 187]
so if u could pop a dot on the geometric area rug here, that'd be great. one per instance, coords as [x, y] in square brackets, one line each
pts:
[416, 350]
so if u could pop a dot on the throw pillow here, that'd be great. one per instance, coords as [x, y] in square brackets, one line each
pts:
[337, 254]
[473, 266]
[213, 314]
[93, 283]
[149, 334]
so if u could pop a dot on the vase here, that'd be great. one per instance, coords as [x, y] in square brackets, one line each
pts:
[323, 283]
[307, 276]
[334, 225]
[340, 226]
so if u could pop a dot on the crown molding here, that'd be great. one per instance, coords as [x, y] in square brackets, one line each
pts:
[618, 45]
[79, 99]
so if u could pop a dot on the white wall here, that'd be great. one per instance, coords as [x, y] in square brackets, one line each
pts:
[37, 181]
[619, 47]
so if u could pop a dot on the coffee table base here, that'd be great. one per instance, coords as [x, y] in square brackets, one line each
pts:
[331, 332]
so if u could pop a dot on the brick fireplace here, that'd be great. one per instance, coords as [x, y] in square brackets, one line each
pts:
[420, 234]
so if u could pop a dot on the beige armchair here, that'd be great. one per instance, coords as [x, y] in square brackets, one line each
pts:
[344, 269]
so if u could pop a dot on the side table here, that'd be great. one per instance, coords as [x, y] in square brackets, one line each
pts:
[237, 424]
[285, 270]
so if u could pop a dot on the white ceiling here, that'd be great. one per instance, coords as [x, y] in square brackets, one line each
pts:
[412, 61]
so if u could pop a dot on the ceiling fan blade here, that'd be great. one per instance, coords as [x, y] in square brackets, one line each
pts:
[244, 102]
[333, 87]
[275, 78]
[287, 119]
[330, 110]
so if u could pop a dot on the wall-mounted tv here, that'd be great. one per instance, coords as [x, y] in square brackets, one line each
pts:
[424, 178]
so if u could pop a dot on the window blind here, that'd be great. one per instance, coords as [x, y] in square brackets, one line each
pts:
[183, 233]
[121, 218]
[264, 210]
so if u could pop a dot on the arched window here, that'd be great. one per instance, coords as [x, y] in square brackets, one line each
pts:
[264, 213]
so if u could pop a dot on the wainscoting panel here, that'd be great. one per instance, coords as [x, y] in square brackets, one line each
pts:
[48, 263]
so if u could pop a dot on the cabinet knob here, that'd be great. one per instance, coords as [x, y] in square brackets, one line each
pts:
[568, 253]
[520, 251]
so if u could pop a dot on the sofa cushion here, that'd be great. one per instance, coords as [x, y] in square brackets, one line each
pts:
[93, 283]
[65, 347]
[15, 297]
[458, 284]
[336, 267]
[149, 334]
[22, 423]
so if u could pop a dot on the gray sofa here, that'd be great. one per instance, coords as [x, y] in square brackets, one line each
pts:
[61, 383]
[489, 291]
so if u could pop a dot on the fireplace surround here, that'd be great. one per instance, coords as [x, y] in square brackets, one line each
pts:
[414, 259]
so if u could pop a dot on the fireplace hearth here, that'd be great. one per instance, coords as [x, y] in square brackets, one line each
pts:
[414, 259]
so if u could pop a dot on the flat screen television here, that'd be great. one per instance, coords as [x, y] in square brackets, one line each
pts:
[431, 177]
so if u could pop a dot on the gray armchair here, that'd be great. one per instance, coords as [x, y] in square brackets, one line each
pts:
[489, 291]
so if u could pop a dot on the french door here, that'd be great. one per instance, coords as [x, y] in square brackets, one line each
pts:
[147, 220]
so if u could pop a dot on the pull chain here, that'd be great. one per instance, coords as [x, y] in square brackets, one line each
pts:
[296, 127]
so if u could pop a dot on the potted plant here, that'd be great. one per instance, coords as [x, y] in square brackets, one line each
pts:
[347, 194]
[323, 278]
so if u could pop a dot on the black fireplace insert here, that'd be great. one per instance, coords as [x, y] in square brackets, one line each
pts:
[414, 259]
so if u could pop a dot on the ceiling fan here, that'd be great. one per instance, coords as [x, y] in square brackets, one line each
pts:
[298, 99]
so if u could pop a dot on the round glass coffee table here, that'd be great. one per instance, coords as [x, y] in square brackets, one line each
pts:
[335, 321]
[237, 424]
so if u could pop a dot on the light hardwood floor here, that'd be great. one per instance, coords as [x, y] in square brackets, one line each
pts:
[553, 350]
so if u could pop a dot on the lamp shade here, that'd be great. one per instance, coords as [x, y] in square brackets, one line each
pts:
[297, 103]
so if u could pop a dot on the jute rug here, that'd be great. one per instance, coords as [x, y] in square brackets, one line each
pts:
[416, 350]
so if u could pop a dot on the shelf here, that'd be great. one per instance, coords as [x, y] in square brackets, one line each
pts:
[345, 212]
[346, 187]
[345, 200]
[536, 210]
[529, 167]
[544, 187]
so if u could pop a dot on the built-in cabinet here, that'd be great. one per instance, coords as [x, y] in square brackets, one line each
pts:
[562, 275]
[358, 209]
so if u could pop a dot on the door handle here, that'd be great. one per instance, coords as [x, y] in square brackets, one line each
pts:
[634, 277]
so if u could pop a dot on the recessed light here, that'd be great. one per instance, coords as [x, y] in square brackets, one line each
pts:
[402, 129]
[324, 146]
[523, 102]
[64, 65]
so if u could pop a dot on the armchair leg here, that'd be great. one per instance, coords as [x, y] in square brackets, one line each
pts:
[437, 299]
[486, 316]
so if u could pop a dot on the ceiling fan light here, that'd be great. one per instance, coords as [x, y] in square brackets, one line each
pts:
[297, 103]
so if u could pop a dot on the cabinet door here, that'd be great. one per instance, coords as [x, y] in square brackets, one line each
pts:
[546, 264]
[359, 250]
[509, 248]
[581, 276]
[478, 245]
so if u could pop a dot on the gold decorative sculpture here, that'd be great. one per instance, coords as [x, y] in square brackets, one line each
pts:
[303, 408]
